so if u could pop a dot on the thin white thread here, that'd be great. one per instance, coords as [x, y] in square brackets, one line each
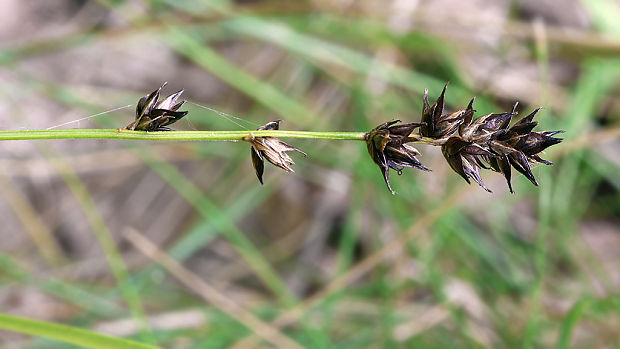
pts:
[226, 116]
[89, 117]
[190, 124]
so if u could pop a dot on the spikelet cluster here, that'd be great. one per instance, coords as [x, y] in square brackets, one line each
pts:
[467, 144]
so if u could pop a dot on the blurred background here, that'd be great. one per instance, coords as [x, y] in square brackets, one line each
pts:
[325, 257]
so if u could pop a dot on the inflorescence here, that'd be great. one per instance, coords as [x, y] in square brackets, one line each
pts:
[467, 144]
[155, 115]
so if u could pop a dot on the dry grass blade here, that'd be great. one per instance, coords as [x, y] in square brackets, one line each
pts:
[170, 321]
[209, 293]
[420, 323]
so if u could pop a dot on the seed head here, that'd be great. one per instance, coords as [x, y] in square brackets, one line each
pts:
[467, 144]
[272, 149]
[155, 115]
[464, 158]
[437, 125]
[518, 147]
[489, 142]
[387, 147]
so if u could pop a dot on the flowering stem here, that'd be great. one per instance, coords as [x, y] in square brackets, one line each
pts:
[190, 135]
[172, 135]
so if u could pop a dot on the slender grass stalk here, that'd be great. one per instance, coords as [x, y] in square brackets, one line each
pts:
[172, 135]
[67, 334]
[190, 135]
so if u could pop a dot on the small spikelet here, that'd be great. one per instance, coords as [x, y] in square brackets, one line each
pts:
[155, 115]
[272, 149]
[387, 147]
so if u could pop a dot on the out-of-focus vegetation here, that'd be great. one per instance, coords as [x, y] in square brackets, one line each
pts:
[176, 244]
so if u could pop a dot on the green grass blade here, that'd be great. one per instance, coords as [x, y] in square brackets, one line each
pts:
[571, 320]
[67, 334]
[590, 305]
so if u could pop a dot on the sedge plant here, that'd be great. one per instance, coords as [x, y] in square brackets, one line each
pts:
[469, 145]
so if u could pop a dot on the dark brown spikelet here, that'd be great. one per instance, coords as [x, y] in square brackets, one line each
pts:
[272, 149]
[437, 125]
[464, 158]
[490, 142]
[518, 147]
[155, 115]
[388, 149]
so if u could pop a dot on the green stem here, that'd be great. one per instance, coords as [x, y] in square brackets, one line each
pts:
[172, 135]
[190, 135]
